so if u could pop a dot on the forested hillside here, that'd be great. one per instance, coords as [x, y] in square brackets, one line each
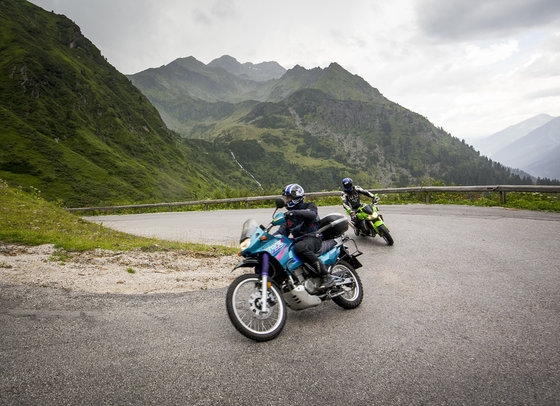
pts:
[78, 130]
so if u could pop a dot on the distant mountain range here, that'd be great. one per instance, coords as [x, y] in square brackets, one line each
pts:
[532, 145]
[260, 72]
[321, 124]
[82, 133]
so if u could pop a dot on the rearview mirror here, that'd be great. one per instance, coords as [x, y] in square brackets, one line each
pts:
[280, 203]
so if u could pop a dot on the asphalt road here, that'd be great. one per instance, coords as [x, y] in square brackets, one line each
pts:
[464, 309]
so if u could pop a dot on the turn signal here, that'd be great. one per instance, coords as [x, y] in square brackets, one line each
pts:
[264, 237]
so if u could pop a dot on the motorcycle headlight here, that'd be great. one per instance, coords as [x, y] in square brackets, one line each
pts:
[373, 216]
[245, 244]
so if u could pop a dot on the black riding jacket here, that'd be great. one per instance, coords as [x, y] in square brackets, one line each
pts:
[304, 219]
[351, 200]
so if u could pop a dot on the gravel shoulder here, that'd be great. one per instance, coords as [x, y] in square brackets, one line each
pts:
[124, 272]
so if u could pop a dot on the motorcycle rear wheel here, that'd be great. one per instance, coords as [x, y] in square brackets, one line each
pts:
[244, 308]
[384, 233]
[352, 298]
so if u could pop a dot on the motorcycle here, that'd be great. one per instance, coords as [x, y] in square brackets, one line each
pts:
[257, 302]
[370, 222]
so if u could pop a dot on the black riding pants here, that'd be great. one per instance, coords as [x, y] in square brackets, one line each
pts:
[307, 249]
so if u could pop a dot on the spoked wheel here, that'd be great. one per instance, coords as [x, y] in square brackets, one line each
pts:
[384, 232]
[245, 308]
[353, 295]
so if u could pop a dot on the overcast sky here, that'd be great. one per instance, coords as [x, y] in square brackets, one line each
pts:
[473, 67]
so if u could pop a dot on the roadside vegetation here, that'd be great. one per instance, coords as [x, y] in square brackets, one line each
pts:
[26, 218]
[514, 200]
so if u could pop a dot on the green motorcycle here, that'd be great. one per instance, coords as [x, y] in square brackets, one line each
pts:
[368, 221]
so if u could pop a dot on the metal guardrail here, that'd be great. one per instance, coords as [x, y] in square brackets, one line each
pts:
[502, 189]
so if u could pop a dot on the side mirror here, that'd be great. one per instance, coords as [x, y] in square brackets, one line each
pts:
[280, 203]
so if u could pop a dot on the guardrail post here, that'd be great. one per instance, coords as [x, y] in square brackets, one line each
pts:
[503, 197]
[427, 197]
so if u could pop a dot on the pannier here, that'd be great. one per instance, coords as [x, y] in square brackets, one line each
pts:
[333, 225]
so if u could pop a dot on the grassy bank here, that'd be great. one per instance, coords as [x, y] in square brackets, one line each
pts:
[26, 218]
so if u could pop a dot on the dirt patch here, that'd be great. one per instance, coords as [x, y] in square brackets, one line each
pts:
[102, 271]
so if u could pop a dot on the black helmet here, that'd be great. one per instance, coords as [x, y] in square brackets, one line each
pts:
[347, 184]
[296, 193]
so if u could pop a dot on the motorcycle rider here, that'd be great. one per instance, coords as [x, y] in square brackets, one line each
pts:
[302, 221]
[351, 200]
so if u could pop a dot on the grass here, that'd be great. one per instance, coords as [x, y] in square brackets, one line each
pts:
[514, 200]
[26, 218]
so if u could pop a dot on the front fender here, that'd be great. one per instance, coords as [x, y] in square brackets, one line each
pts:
[377, 224]
[247, 263]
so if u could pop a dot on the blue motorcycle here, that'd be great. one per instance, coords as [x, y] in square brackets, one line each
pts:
[256, 302]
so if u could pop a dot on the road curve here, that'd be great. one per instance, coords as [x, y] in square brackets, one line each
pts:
[463, 309]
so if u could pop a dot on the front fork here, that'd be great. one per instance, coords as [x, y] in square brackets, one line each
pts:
[264, 286]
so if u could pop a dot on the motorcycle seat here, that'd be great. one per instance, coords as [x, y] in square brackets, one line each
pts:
[326, 245]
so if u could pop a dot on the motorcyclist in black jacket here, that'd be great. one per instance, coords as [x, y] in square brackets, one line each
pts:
[351, 199]
[302, 221]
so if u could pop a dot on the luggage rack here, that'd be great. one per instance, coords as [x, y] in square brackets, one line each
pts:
[357, 252]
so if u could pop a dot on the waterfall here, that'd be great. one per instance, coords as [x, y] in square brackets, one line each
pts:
[241, 166]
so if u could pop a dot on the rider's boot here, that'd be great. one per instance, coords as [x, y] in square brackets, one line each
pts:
[326, 278]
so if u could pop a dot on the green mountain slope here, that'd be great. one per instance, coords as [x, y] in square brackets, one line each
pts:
[78, 130]
[318, 126]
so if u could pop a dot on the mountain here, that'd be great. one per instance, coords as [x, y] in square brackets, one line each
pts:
[260, 72]
[82, 133]
[313, 126]
[491, 144]
[538, 152]
[193, 98]
[78, 130]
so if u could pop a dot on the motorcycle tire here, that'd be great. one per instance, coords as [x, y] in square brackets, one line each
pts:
[352, 298]
[384, 233]
[243, 306]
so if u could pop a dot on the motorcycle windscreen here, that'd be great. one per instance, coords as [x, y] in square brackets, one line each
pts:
[368, 209]
[249, 228]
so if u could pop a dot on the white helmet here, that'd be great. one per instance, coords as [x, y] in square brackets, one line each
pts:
[296, 192]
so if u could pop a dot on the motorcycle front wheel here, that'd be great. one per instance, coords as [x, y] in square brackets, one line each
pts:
[244, 307]
[354, 293]
[384, 233]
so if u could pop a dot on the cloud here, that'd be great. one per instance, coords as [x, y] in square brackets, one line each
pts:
[457, 20]
[472, 67]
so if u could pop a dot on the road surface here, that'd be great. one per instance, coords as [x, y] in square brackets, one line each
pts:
[464, 309]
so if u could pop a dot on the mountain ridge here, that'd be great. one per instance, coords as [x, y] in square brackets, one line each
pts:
[83, 133]
[537, 152]
[260, 72]
[309, 112]
[77, 129]
[491, 144]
